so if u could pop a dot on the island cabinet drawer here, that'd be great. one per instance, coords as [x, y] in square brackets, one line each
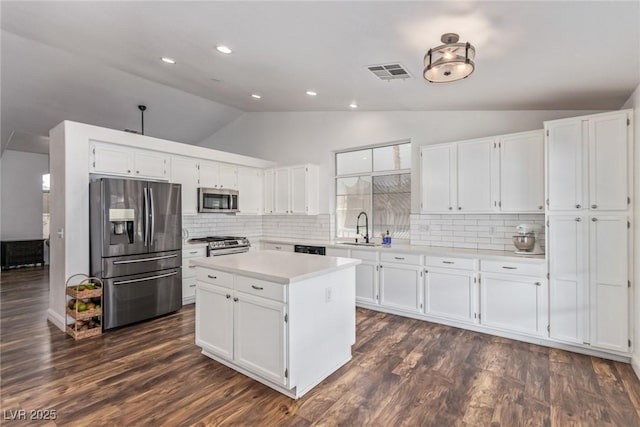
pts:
[215, 277]
[401, 258]
[262, 288]
[509, 267]
[364, 255]
[451, 262]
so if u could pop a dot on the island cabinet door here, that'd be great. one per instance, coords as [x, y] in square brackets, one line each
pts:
[214, 319]
[401, 287]
[260, 337]
[451, 294]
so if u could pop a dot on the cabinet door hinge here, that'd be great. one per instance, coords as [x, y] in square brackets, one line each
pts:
[548, 328]
[499, 144]
[479, 316]
[494, 145]
[500, 204]
[628, 121]
[286, 373]
[420, 273]
[628, 283]
[94, 150]
[547, 132]
[94, 164]
[547, 201]
[475, 315]
[547, 223]
[475, 280]
[629, 343]
[421, 306]
[286, 317]
[548, 276]
[628, 200]
[377, 298]
[421, 204]
[628, 224]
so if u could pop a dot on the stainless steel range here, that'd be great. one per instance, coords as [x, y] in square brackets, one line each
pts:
[223, 245]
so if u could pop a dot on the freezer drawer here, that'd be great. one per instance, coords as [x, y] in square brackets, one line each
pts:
[130, 299]
[139, 264]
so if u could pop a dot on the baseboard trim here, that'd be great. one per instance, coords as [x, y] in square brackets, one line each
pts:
[57, 320]
[635, 364]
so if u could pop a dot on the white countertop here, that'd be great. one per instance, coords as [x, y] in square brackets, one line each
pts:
[416, 249]
[276, 266]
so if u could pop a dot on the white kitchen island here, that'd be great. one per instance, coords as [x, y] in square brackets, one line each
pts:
[284, 319]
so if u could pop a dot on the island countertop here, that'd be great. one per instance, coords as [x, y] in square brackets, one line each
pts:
[276, 266]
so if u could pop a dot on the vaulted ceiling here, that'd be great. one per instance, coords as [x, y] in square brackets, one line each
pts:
[94, 62]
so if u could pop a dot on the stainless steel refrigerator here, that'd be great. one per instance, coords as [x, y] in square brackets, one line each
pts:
[136, 248]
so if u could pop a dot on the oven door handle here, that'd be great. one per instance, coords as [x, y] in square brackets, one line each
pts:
[133, 261]
[235, 251]
[144, 279]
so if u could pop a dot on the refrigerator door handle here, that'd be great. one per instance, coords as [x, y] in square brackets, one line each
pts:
[152, 214]
[133, 261]
[144, 279]
[145, 216]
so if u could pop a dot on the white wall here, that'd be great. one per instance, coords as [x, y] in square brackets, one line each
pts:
[634, 102]
[310, 137]
[21, 209]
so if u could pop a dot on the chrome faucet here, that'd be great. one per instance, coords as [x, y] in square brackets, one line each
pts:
[366, 225]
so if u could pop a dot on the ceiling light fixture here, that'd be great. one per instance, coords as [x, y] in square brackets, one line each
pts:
[224, 49]
[353, 105]
[168, 60]
[256, 96]
[311, 93]
[449, 62]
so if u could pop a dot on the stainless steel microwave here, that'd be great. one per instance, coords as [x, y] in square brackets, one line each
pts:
[217, 200]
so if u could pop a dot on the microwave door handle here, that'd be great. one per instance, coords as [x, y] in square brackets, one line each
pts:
[152, 215]
[145, 216]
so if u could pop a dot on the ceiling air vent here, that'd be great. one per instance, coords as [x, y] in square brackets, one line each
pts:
[389, 71]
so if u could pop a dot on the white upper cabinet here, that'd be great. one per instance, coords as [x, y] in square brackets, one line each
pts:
[522, 172]
[112, 159]
[268, 186]
[184, 171]
[497, 174]
[475, 163]
[218, 175]
[250, 190]
[294, 190]
[438, 178]
[609, 153]
[588, 162]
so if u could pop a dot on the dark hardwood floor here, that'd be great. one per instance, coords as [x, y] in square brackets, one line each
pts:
[403, 372]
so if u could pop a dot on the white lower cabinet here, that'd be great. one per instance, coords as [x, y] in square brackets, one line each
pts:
[189, 272]
[451, 294]
[367, 282]
[401, 287]
[514, 303]
[245, 329]
[214, 314]
[260, 336]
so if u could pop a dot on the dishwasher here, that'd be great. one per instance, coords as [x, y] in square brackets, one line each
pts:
[313, 250]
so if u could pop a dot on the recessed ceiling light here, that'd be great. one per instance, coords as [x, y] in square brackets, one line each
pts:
[311, 93]
[223, 49]
[168, 60]
[353, 105]
[256, 96]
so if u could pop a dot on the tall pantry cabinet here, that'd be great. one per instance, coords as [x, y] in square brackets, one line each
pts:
[589, 171]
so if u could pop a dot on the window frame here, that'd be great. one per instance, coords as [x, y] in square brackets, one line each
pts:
[370, 174]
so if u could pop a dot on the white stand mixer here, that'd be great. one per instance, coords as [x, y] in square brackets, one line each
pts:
[527, 241]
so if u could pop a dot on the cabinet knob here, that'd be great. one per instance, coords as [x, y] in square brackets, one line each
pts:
[540, 207]
[459, 208]
[594, 219]
[228, 296]
[128, 170]
[538, 284]
[450, 208]
[594, 206]
[578, 206]
[236, 299]
[192, 286]
[137, 171]
[578, 219]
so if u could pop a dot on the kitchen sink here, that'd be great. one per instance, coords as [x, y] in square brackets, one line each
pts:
[359, 244]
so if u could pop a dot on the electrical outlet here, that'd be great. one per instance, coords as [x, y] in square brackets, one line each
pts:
[328, 294]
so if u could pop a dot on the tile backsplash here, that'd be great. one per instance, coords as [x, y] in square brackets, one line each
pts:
[479, 231]
[316, 227]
